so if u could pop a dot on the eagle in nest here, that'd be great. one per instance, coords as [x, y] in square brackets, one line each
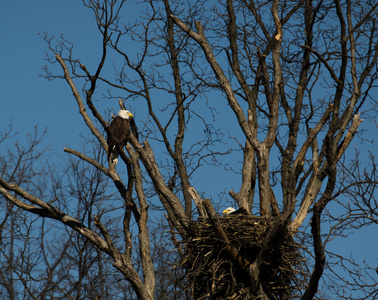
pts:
[119, 133]
[233, 211]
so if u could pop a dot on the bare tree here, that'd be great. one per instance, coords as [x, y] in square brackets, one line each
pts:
[290, 79]
[39, 258]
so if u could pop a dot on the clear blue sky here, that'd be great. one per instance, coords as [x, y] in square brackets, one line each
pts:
[27, 100]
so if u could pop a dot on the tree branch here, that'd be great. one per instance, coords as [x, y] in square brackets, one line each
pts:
[201, 40]
[80, 103]
[49, 211]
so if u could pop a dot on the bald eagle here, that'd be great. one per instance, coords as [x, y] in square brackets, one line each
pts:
[119, 132]
[233, 211]
[229, 210]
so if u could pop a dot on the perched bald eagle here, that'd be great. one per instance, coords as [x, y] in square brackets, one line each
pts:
[119, 132]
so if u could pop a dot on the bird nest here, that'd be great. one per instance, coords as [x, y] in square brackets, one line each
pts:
[212, 274]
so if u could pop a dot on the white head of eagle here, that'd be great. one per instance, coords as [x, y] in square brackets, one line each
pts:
[119, 133]
[229, 210]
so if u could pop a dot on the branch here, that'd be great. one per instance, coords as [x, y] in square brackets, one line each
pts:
[234, 61]
[313, 133]
[198, 201]
[180, 111]
[317, 272]
[320, 257]
[21, 204]
[244, 197]
[311, 192]
[144, 236]
[290, 206]
[106, 235]
[200, 38]
[49, 211]
[349, 136]
[170, 201]
[92, 161]
[324, 61]
[79, 101]
[111, 172]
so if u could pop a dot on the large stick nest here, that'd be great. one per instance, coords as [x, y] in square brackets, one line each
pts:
[211, 273]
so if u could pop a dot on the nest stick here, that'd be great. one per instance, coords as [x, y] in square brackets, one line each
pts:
[198, 202]
[232, 252]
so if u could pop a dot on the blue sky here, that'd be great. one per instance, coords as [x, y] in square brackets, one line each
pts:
[26, 99]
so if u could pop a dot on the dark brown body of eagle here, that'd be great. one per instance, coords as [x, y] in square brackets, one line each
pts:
[119, 133]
